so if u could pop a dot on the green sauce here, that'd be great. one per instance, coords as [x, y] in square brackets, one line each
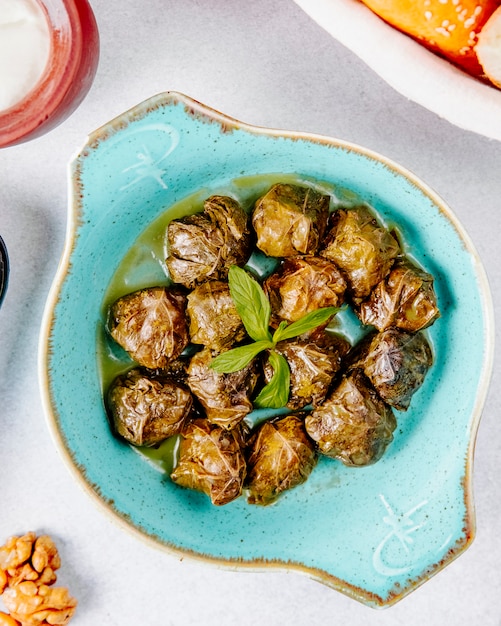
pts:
[162, 457]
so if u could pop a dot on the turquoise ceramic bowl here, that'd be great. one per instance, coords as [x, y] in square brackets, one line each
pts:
[374, 533]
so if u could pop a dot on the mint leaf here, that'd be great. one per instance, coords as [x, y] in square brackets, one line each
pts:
[275, 394]
[237, 358]
[307, 322]
[251, 303]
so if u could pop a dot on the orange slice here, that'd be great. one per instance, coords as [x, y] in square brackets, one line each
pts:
[447, 27]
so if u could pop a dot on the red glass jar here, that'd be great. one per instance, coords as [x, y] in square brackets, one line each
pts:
[73, 60]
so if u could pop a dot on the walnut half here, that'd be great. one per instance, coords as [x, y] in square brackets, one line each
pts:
[27, 569]
[28, 558]
[37, 605]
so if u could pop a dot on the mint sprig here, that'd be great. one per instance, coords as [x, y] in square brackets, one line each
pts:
[255, 312]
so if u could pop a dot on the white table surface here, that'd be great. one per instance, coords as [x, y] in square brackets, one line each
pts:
[266, 63]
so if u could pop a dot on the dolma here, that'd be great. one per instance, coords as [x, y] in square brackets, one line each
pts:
[314, 360]
[303, 284]
[150, 324]
[290, 220]
[353, 424]
[280, 457]
[145, 410]
[211, 460]
[205, 245]
[361, 247]
[226, 398]
[405, 299]
[396, 362]
[213, 318]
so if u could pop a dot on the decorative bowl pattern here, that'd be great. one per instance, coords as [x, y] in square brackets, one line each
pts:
[374, 533]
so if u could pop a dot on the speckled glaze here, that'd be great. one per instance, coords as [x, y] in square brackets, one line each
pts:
[373, 533]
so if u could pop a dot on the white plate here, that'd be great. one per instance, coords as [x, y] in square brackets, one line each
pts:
[408, 67]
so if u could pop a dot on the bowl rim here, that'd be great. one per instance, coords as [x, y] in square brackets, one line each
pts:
[228, 123]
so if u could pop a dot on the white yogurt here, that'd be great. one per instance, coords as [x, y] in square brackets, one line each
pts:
[24, 49]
